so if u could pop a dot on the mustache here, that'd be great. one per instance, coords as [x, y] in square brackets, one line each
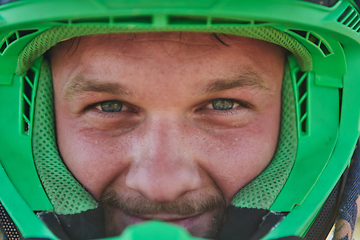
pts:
[183, 206]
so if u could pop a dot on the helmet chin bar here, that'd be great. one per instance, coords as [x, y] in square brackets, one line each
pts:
[325, 142]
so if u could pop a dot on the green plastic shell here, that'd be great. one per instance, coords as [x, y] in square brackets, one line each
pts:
[325, 140]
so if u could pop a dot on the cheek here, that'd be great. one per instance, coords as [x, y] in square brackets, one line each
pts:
[233, 158]
[93, 157]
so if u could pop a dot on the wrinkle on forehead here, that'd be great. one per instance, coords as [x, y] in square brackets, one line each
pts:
[182, 44]
[181, 37]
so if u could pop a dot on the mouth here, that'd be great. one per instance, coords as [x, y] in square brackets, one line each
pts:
[188, 222]
[205, 224]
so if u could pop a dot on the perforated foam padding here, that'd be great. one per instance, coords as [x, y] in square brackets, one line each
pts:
[44, 41]
[8, 229]
[262, 192]
[65, 193]
[69, 197]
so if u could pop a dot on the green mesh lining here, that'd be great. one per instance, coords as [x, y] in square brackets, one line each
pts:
[44, 41]
[64, 192]
[69, 197]
[262, 192]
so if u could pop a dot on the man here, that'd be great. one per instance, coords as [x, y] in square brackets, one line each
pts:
[155, 121]
[210, 131]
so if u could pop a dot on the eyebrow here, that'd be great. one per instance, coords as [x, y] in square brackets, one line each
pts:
[247, 79]
[79, 85]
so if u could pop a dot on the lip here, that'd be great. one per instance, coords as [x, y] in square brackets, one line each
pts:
[187, 222]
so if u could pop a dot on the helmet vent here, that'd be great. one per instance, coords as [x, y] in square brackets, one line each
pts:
[3, 47]
[23, 33]
[314, 40]
[14, 37]
[229, 21]
[350, 18]
[170, 20]
[302, 96]
[138, 19]
[324, 49]
[97, 20]
[178, 20]
[187, 20]
[111, 20]
[27, 96]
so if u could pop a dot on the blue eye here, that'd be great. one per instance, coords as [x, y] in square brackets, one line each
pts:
[222, 104]
[110, 106]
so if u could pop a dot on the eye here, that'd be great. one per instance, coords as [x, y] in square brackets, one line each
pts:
[109, 106]
[223, 104]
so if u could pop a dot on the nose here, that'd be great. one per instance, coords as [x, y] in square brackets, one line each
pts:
[162, 170]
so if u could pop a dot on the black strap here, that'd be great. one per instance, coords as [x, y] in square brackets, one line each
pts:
[85, 225]
[248, 223]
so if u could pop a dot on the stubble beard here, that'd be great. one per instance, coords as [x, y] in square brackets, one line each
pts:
[187, 205]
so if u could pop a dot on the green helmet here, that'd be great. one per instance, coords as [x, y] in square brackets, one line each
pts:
[319, 118]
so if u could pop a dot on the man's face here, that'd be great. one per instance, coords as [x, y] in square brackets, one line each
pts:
[166, 126]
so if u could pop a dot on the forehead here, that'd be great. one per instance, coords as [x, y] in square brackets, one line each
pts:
[176, 54]
[165, 45]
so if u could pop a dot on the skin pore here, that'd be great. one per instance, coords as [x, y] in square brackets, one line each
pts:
[166, 126]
